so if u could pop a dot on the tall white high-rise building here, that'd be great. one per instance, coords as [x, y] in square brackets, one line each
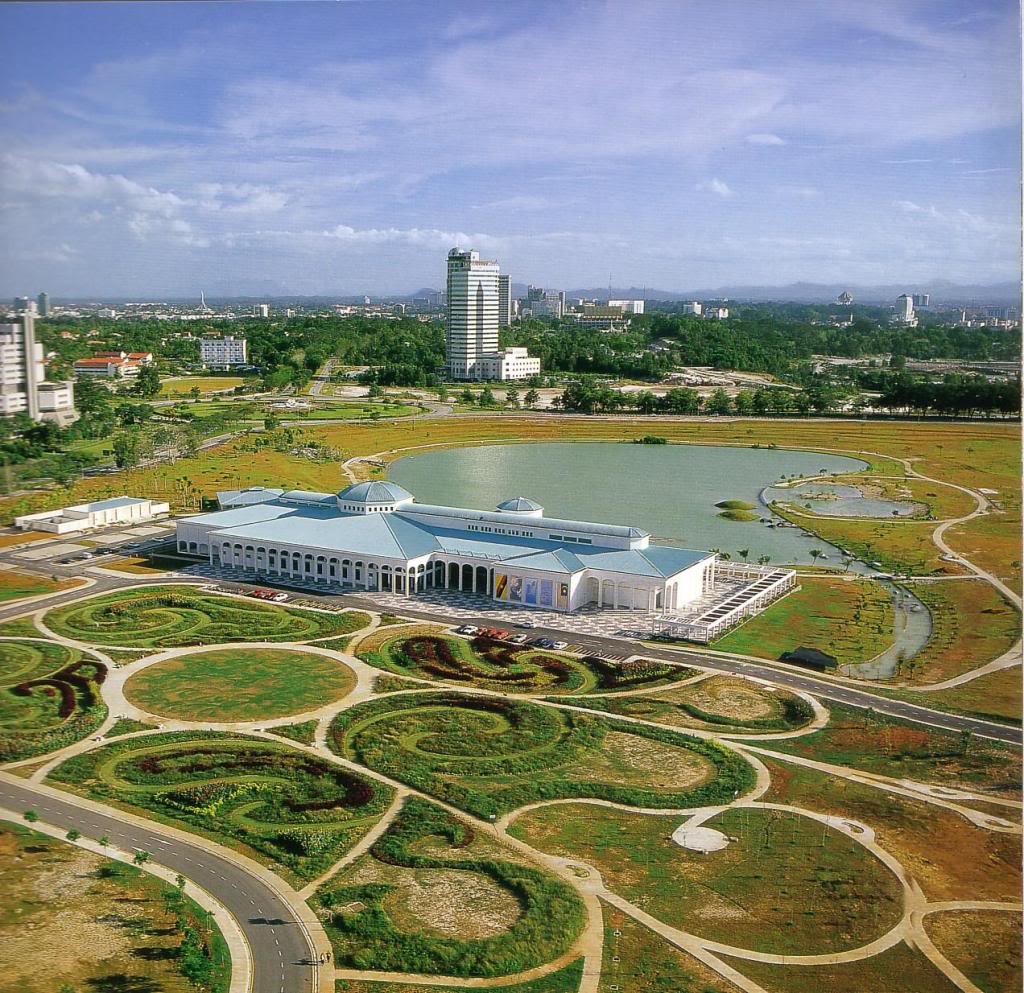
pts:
[504, 300]
[905, 309]
[471, 333]
[43, 304]
[23, 385]
[472, 330]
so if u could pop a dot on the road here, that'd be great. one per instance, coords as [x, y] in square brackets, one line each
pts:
[282, 956]
[788, 677]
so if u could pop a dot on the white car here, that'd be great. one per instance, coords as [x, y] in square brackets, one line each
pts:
[518, 639]
[466, 629]
[559, 646]
[279, 597]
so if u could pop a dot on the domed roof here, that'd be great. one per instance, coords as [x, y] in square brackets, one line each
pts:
[375, 491]
[519, 505]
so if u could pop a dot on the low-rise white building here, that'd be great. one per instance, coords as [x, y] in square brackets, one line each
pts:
[90, 516]
[507, 364]
[374, 536]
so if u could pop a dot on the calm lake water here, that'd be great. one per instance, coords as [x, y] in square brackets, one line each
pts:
[671, 490]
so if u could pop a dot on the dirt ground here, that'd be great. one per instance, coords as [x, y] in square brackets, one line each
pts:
[65, 921]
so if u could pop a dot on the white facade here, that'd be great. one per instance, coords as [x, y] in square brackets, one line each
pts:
[89, 516]
[628, 306]
[474, 316]
[905, 309]
[227, 351]
[472, 329]
[509, 363]
[694, 307]
[261, 310]
[23, 385]
[374, 536]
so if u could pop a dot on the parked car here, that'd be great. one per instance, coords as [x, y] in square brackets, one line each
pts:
[559, 646]
[525, 624]
[543, 643]
[466, 629]
[279, 597]
[519, 639]
[500, 634]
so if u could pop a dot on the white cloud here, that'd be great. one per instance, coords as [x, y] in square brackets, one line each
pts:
[716, 186]
[764, 139]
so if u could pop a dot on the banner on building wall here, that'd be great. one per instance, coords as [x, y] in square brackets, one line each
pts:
[563, 595]
[530, 594]
[515, 588]
[547, 593]
[501, 586]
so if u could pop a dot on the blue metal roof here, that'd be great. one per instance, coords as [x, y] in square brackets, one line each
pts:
[111, 503]
[375, 491]
[250, 495]
[519, 505]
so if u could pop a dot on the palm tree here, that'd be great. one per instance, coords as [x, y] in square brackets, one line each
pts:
[764, 560]
[743, 553]
[816, 554]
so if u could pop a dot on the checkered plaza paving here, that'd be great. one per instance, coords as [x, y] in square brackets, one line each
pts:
[602, 621]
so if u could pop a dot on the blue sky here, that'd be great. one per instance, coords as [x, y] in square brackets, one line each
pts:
[157, 149]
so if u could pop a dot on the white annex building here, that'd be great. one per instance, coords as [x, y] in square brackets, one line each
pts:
[374, 536]
[89, 516]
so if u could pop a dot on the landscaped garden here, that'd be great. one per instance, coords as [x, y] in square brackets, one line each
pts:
[488, 754]
[271, 801]
[49, 697]
[489, 664]
[173, 616]
[784, 883]
[721, 703]
[244, 684]
[426, 901]
[111, 928]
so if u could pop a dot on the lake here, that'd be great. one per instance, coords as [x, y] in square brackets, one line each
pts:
[670, 490]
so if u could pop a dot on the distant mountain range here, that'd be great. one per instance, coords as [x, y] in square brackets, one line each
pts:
[943, 292]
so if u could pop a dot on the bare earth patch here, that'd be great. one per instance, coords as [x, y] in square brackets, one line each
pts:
[630, 760]
[456, 903]
[732, 698]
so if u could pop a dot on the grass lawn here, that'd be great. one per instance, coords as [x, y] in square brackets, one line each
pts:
[891, 747]
[292, 811]
[493, 754]
[992, 542]
[15, 585]
[112, 921]
[995, 695]
[899, 545]
[950, 858]
[788, 885]
[984, 945]
[256, 410]
[971, 625]
[899, 969]
[172, 616]
[24, 538]
[239, 685]
[852, 620]
[183, 385]
[639, 960]
[943, 502]
[304, 732]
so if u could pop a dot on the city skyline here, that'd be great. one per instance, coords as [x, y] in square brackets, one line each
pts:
[280, 149]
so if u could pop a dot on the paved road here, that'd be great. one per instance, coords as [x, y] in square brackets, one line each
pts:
[788, 677]
[280, 951]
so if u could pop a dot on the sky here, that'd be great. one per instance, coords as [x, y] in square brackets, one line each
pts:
[271, 148]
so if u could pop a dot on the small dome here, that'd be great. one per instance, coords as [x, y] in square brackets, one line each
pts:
[375, 491]
[520, 505]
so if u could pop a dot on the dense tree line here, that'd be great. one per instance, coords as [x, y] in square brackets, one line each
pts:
[965, 396]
